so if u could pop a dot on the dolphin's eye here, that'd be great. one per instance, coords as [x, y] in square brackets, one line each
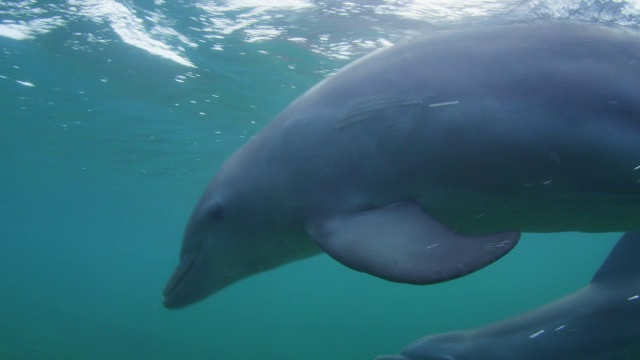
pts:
[215, 212]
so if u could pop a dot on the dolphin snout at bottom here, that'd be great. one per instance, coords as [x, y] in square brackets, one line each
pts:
[175, 290]
[197, 276]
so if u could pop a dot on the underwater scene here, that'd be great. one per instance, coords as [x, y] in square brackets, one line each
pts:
[116, 114]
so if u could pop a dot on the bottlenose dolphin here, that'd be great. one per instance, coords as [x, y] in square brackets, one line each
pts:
[424, 161]
[597, 322]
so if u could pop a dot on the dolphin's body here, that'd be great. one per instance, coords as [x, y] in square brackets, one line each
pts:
[424, 161]
[598, 322]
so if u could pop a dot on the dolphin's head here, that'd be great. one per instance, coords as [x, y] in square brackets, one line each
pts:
[237, 229]
[224, 241]
[210, 254]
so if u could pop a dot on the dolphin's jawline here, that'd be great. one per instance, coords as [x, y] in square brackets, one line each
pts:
[178, 277]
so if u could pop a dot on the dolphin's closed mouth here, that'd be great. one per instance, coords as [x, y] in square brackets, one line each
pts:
[171, 295]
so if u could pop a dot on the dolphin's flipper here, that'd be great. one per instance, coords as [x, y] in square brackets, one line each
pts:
[402, 243]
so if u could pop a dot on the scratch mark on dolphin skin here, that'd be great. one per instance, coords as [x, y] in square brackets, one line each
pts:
[430, 246]
[367, 110]
[560, 327]
[547, 182]
[637, 168]
[456, 102]
[25, 83]
[635, 297]
[497, 245]
[536, 334]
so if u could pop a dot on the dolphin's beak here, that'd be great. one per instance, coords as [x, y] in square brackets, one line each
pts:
[198, 275]
[175, 292]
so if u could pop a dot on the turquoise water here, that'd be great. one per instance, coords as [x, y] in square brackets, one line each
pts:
[113, 118]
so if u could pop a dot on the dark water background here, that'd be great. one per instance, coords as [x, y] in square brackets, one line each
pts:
[114, 116]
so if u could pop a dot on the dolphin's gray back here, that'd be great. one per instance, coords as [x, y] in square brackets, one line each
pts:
[503, 121]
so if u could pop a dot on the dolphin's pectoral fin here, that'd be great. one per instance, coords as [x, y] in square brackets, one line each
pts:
[402, 243]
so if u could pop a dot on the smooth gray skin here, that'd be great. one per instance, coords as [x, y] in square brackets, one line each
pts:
[597, 322]
[392, 164]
